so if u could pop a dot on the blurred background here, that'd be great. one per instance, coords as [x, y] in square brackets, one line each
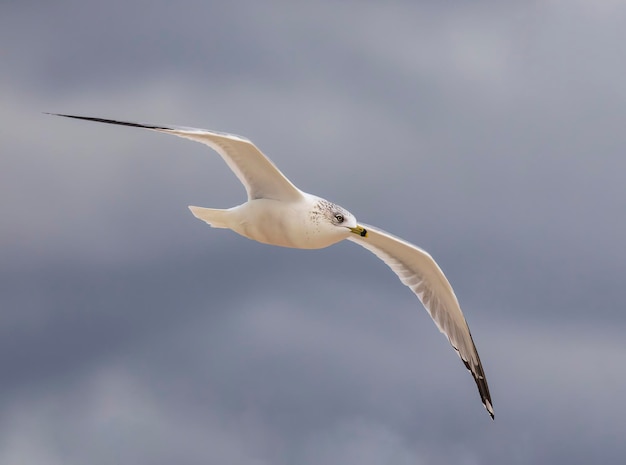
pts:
[491, 134]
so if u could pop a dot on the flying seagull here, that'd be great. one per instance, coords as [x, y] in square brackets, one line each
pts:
[278, 213]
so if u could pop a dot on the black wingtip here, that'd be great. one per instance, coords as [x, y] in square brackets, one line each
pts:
[110, 121]
[481, 383]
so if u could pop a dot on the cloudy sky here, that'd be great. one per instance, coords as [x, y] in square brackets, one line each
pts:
[490, 134]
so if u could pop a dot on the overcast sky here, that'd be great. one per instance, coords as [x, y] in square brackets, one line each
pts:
[491, 134]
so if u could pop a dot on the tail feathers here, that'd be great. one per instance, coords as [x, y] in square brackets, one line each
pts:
[214, 217]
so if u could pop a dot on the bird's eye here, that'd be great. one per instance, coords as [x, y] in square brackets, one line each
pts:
[339, 218]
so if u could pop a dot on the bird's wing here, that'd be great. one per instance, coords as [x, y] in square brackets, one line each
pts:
[417, 270]
[256, 172]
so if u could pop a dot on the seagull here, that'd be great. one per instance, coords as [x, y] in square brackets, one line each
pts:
[278, 213]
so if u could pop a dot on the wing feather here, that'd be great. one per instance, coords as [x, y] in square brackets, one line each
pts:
[417, 270]
[261, 178]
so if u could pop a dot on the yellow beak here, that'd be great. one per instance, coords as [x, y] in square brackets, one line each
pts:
[360, 230]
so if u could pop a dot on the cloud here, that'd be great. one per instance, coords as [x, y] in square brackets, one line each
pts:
[491, 135]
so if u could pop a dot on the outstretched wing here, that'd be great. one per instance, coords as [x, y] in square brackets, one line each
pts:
[417, 270]
[256, 172]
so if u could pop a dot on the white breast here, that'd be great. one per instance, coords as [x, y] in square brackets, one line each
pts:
[284, 224]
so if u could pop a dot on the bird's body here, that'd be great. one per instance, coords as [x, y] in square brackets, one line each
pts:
[278, 213]
[293, 223]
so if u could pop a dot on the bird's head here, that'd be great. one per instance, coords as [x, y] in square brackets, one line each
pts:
[342, 218]
[336, 220]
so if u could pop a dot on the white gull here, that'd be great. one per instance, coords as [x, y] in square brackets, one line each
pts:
[278, 213]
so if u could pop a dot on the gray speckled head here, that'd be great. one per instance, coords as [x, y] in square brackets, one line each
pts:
[328, 212]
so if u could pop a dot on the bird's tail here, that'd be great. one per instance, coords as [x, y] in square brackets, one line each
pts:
[213, 216]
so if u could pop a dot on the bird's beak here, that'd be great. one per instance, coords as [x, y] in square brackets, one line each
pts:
[360, 230]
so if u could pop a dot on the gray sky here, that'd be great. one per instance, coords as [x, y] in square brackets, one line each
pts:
[490, 134]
